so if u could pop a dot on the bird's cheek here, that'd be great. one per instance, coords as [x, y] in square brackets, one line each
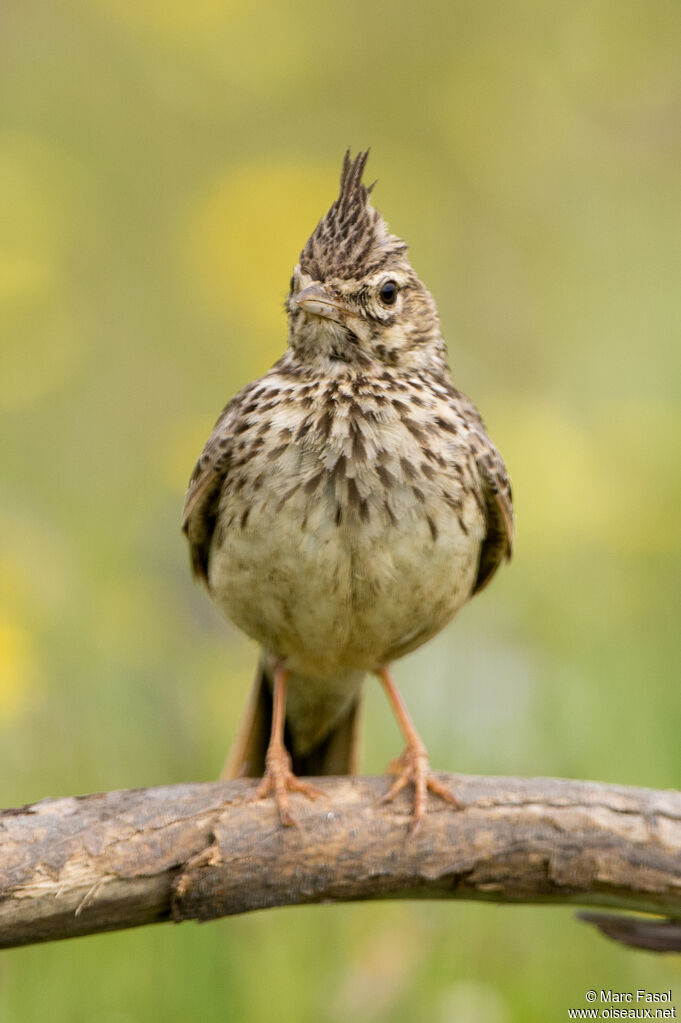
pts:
[357, 326]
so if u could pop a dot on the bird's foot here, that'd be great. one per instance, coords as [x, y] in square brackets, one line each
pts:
[278, 780]
[413, 767]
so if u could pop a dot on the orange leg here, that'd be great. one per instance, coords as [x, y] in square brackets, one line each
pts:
[413, 765]
[279, 779]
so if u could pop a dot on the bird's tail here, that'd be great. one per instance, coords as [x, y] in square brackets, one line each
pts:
[336, 753]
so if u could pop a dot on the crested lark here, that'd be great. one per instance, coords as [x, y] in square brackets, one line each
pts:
[346, 505]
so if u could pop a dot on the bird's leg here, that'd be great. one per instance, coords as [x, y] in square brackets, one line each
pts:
[413, 766]
[278, 779]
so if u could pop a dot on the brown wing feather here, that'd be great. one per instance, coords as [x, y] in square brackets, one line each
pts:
[498, 543]
[205, 486]
[497, 497]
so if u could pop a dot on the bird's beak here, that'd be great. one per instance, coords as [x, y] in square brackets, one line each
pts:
[315, 301]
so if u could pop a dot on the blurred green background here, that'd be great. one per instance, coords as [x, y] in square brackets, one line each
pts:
[161, 165]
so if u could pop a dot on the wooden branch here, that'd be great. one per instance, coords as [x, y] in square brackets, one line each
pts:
[198, 851]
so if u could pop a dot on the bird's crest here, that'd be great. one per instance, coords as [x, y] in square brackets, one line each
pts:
[352, 238]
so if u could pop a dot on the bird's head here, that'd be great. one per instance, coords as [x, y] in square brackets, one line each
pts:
[354, 297]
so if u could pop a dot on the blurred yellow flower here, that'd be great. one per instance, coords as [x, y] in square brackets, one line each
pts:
[243, 236]
[22, 278]
[40, 344]
[170, 18]
[603, 479]
[16, 669]
[30, 218]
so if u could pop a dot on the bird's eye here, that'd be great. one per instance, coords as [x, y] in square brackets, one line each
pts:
[388, 292]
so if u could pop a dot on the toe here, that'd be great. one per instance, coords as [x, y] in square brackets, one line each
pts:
[438, 789]
[413, 768]
[307, 789]
[400, 783]
[278, 781]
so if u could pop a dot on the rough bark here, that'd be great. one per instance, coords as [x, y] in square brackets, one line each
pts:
[199, 851]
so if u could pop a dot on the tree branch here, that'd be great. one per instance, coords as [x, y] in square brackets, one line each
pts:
[198, 851]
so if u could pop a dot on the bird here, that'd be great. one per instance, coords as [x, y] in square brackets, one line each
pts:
[345, 507]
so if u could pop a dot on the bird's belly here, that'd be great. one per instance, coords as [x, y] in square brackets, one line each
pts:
[331, 597]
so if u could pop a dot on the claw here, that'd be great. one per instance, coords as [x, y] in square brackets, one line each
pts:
[278, 780]
[413, 765]
[413, 768]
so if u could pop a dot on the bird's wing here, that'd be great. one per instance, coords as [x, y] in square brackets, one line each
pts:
[205, 486]
[497, 497]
